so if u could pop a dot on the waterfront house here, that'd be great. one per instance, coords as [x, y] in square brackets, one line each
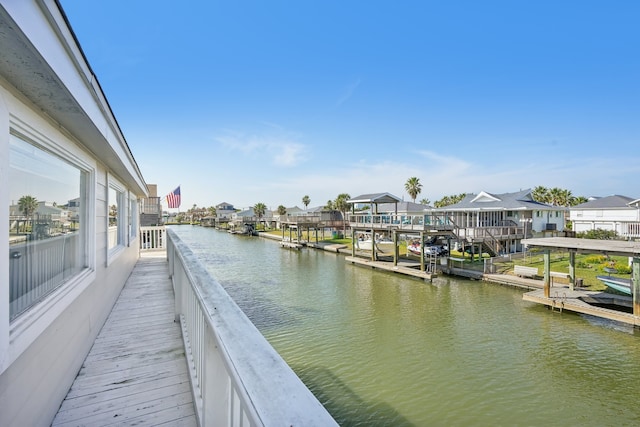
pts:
[614, 213]
[151, 208]
[60, 142]
[63, 266]
[225, 210]
[499, 222]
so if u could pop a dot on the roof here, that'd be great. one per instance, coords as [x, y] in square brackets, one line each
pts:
[521, 200]
[610, 202]
[610, 247]
[42, 58]
[375, 198]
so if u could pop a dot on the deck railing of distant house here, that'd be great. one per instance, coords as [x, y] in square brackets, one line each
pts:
[630, 229]
[237, 377]
[153, 238]
[400, 221]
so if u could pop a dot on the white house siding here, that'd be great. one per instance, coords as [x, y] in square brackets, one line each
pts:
[42, 350]
[604, 219]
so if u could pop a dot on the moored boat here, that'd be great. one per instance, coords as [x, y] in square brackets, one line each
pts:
[366, 243]
[618, 283]
[414, 248]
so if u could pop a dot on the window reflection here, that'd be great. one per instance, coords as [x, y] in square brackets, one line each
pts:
[46, 222]
[113, 218]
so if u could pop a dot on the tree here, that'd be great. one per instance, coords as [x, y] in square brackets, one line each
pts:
[212, 210]
[555, 196]
[282, 210]
[575, 201]
[306, 200]
[259, 209]
[413, 187]
[425, 202]
[541, 194]
[28, 205]
[449, 200]
[341, 204]
[329, 205]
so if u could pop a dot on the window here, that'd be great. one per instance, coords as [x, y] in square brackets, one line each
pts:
[117, 216]
[47, 222]
[133, 216]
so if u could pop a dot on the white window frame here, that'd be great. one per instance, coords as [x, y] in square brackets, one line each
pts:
[26, 328]
[132, 219]
[121, 233]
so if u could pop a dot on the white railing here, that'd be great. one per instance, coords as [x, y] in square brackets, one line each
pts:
[238, 379]
[153, 238]
[38, 267]
[400, 221]
[630, 229]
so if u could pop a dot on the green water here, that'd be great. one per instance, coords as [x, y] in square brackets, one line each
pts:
[381, 349]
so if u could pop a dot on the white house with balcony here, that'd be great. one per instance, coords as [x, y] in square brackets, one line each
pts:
[499, 222]
[614, 213]
[59, 141]
[225, 210]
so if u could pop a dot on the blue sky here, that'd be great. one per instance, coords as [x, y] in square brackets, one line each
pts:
[268, 101]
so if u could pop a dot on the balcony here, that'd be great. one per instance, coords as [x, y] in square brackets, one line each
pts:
[176, 349]
[428, 222]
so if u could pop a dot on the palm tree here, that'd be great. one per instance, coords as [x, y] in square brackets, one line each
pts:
[541, 194]
[259, 209]
[341, 204]
[425, 202]
[282, 210]
[413, 187]
[306, 200]
[555, 196]
[28, 205]
[578, 200]
[329, 205]
[212, 210]
[449, 200]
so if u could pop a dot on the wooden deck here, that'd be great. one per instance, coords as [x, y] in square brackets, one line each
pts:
[136, 372]
[406, 267]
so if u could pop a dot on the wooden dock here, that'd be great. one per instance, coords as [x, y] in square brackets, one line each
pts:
[136, 372]
[406, 267]
[586, 302]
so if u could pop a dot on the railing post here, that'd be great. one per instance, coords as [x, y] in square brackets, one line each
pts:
[216, 386]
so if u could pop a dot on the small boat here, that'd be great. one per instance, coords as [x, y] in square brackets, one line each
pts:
[366, 244]
[414, 248]
[618, 283]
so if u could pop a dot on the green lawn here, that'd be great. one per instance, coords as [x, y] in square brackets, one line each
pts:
[588, 266]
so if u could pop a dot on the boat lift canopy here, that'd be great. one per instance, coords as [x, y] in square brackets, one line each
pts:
[605, 247]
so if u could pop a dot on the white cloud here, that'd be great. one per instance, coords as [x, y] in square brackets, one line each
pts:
[281, 150]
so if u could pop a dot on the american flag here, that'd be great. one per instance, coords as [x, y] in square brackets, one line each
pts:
[173, 199]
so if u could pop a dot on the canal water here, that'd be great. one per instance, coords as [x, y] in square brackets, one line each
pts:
[379, 349]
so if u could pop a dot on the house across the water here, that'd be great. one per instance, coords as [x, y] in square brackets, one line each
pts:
[612, 213]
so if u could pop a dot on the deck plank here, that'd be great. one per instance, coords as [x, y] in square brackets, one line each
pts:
[136, 372]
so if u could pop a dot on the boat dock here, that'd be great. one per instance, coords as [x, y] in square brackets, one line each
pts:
[593, 303]
[406, 267]
[561, 297]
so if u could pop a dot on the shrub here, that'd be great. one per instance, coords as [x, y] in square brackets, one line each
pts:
[598, 233]
[595, 259]
[623, 269]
